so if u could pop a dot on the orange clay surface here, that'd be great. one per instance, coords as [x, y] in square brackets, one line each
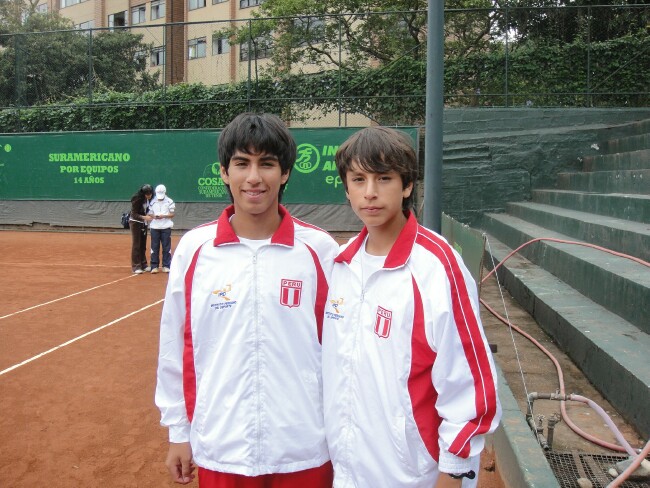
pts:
[78, 353]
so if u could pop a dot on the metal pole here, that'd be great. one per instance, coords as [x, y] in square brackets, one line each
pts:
[434, 116]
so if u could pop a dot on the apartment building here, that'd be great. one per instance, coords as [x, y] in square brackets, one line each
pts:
[192, 52]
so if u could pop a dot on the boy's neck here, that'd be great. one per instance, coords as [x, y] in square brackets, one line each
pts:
[255, 227]
[382, 238]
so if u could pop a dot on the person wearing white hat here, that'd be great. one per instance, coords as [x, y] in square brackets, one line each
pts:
[162, 210]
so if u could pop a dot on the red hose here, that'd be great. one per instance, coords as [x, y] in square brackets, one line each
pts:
[565, 416]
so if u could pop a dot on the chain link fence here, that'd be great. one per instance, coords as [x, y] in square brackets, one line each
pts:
[343, 70]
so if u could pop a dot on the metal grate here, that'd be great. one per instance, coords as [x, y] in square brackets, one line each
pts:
[569, 466]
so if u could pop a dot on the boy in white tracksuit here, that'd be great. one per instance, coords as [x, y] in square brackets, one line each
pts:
[409, 381]
[239, 373]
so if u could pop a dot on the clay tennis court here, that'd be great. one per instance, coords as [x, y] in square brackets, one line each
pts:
[78, 354]
[81, 415]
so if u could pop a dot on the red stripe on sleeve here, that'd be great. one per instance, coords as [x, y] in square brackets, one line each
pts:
[485, 402]
[423, 395]
[189, 373]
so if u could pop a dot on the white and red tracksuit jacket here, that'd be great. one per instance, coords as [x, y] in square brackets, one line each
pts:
[409, 380]
[239, 372]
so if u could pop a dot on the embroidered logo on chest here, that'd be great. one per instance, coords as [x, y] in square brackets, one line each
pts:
[290, 293]
[337, 306]
[383, 321]
[225, 300]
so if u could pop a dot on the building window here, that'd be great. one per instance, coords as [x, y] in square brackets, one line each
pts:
[117, 19]
[86, 25]
[158, 56]
[260, 47]
[249, 3]
[42, 8]
[220, 45]
[157, 9]
[214, 2]
[68, 3]
[138, 14]
[309, 30]
[194, 4]
[196, 48]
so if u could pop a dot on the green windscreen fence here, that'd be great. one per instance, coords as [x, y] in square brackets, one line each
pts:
[111, 166]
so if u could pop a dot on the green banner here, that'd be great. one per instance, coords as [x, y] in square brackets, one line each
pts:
[111, 166]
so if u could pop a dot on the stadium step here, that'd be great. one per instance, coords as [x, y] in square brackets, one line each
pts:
[594, 304]
[610, 232]
[618, 205]
[618, 284]
[610, 351]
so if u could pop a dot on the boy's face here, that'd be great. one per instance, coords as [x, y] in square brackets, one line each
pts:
[254, 181]
[376, 198]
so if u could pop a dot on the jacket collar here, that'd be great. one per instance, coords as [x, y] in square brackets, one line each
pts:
[398, 254]
[284, 234]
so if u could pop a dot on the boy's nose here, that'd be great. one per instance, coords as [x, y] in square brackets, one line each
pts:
[371, 190]
[253, 175]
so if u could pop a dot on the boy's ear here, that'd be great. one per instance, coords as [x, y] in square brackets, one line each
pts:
[285, 177]
[406, 192]
[224, 174]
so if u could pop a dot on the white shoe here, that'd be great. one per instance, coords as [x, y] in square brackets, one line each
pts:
[165, 270]
[138, 271]
[147, 269]
[154, 270]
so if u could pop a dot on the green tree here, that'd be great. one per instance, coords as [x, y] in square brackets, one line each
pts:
[314, 35]
[45, 60]
[542, 21]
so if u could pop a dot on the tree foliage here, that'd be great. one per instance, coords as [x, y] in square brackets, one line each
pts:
[544, 75]
[543, 21]
[351, 34]
[46, 61]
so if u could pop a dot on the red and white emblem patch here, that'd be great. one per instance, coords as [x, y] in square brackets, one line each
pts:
[290, 291]
[382, 322]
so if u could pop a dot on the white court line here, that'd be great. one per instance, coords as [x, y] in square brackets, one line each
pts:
[75, 265]
[63, 298]
[15, 366]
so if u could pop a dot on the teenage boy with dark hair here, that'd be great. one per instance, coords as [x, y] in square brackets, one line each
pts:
[239, 373]
[409, 381]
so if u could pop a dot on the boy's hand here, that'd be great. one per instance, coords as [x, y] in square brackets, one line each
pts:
[179, 462]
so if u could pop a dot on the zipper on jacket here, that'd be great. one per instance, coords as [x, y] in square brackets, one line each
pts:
[357, 332]
[257, 359]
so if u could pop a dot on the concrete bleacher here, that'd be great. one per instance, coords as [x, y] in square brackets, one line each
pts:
[595, 305]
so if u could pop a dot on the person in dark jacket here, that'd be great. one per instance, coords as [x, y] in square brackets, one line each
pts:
[138, 222]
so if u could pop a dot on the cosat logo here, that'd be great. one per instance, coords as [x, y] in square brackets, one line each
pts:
[308, 158]
[210, 184]
[223, 293]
